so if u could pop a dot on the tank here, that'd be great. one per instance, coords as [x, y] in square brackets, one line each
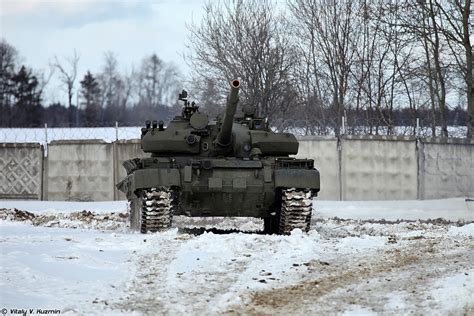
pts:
[231, 166]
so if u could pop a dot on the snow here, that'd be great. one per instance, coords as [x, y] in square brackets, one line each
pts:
[61, 268]
[360, 244]
[454, 292]
[80, 258]
[44, 207]
[266, 260]
[466, 230]
[358, 310]
[451, 209]
[111, 134]
[45, 135]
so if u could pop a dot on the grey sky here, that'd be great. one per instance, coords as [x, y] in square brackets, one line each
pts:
[41, 29]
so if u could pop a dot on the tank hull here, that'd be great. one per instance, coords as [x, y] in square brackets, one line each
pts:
[233, 166]
[221, 186]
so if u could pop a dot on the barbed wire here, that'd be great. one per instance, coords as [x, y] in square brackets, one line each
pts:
[45, 134]
[361, 127]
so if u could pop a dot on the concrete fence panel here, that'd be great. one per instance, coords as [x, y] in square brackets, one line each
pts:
[80, 170]
[379, 168]
[21, 171]
[446, 168]
[352, 168]
[324, 152]
[125, 150]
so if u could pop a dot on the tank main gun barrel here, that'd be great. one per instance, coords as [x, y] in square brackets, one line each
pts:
[224, 137]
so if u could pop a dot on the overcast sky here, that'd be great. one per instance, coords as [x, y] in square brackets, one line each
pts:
[41, 29]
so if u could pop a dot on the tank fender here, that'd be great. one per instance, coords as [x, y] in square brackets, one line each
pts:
[297, 178]
[149, 178]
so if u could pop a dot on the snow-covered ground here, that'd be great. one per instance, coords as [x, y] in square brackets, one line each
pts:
[374, 258]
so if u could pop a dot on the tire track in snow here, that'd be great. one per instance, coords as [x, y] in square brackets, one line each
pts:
[408, 270]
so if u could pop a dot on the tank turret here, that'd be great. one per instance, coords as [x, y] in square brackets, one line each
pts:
[234, 166]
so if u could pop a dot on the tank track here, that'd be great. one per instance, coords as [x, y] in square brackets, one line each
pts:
[157, 206]
[296, 210]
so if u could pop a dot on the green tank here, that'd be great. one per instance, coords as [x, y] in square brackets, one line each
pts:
[234, 166]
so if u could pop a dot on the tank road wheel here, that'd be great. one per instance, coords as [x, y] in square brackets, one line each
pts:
[153, 210]
[296, 209]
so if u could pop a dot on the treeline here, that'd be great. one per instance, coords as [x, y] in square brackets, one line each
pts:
[321, 66]
[329, 62]
[96, 99]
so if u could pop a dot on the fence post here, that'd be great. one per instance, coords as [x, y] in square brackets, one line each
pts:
[46, 139]
[339, 161]
[116, 130]
[44, 171]
[115, 164]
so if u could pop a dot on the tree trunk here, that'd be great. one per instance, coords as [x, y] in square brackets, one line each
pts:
[469, 71]
[440, 75]
[430, 79]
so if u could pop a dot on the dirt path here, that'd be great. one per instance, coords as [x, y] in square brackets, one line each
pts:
[396, 281]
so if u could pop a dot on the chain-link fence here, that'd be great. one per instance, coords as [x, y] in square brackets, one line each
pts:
[45, 134]
[330, 127]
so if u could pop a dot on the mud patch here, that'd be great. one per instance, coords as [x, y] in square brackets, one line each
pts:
[397, 280]
[113, 221]
[435, 221]
[340, 228]
[119, 221]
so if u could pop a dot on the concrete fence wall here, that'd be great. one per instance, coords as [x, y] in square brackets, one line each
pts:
[80, 171]
[391, 167]
[21, 171]
[379, 168]
[446, 169]
[324, 151]
[87, 170]
[352, 168]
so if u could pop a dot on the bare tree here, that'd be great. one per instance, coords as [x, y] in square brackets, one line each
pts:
[109, 78]
[312, 83]
[128, 87]
[455, 26]
[157, 82]
[425, 37]
[330, 31]
[424, 21]
[245, 39]
[68, 73]
[436, 42]
[44, 77]
[116, 89]
[378, 73]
